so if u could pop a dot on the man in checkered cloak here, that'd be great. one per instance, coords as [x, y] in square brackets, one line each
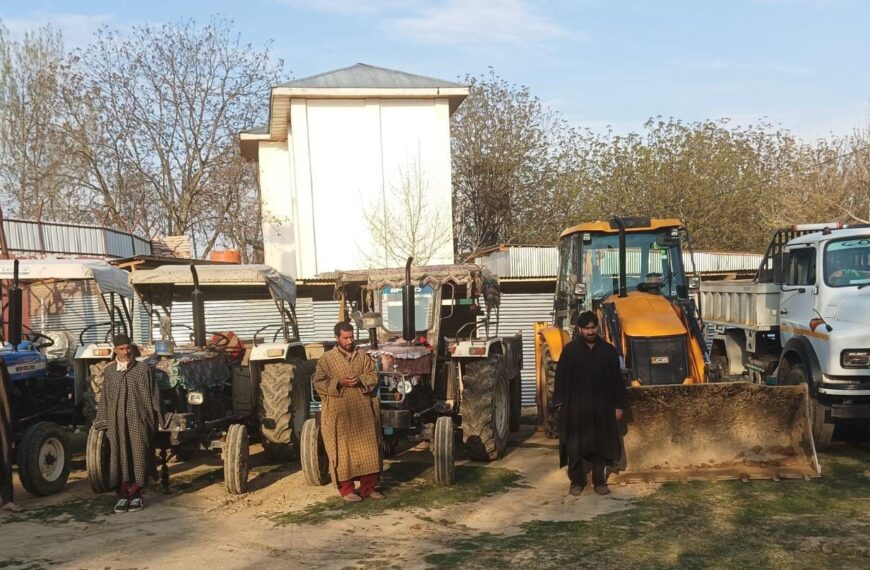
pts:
[129, 410]
[350, 420]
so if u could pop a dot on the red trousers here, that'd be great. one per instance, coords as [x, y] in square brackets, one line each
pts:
[367, 484]
[129, 490]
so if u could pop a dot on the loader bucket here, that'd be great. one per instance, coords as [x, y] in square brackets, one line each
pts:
[731, 430]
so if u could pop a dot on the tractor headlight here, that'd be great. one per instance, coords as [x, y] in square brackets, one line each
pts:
[855, 358]
[195, 398]
[404, 387]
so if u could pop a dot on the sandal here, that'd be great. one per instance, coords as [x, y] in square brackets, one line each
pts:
[376, 495]
[122, 506]
[136, 504]
[11, 507]
[352, 498]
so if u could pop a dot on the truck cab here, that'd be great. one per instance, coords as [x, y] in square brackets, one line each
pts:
[824, 313]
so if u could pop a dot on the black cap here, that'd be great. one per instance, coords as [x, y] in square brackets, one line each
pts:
[120, 339]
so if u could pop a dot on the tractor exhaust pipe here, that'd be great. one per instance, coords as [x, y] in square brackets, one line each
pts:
[198, 303]
[622, 277]
[408, 332]
[15, 309]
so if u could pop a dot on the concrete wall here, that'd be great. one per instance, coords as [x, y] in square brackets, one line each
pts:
[344, 159]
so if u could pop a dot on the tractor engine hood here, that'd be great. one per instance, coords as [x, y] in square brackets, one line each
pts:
[647, 315]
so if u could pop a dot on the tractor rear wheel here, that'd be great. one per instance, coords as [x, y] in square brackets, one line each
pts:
[444, 452]
[823, 432]
[97, 460]
[551, 416]
[283, 407]
[485, 408]
[44, 459]
[236, 459]
[315, 463]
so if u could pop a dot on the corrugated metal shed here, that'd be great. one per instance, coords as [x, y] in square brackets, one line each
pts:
[541, 262]
[369, 77]
[518, 313]
[28, 238]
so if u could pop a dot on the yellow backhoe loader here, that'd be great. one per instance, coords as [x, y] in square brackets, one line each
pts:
[683, 423]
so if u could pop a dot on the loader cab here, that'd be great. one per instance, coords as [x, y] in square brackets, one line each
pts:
[589, 271]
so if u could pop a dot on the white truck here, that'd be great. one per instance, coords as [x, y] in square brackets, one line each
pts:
[803, 319]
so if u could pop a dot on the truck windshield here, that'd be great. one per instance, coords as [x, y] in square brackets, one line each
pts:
[653, 262]
[847, 262]
[391, 308]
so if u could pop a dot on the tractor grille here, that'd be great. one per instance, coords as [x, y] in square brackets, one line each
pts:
[661, 360]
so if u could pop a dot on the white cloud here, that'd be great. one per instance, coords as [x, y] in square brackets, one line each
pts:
[77, 29]
[478, 21]
[723, 65]
[348, 7]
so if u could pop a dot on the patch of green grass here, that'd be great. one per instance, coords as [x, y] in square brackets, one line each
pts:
[409, 485]
[87, 511]
[33, 564]
[820, 523]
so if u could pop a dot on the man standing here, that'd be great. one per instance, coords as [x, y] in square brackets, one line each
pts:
[591, 396]
[6, 484]
[129, 411]
[350, 421]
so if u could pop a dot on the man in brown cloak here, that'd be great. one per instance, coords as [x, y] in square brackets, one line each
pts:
[350, 424]
[590, 395]
[129, 410]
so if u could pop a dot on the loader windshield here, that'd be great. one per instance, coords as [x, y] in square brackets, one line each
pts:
[653, 263]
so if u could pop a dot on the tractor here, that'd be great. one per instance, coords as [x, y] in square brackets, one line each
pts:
[220, 391]
[46, 372]
[444, 373]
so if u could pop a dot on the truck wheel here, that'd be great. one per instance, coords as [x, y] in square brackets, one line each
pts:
[236, 459]
[551, 416]
[97, 460]
[94, 389]
[485, 408]
[315, 463]
[822, 431]
[516, 386]
[44, 459]
[283, 407]
[444, 452]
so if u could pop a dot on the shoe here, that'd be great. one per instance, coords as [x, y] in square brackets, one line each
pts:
[136, 504]
[11, 507]
[376, 495]
[352, 498]
[602, 489]
[575, 490]
[122, 506]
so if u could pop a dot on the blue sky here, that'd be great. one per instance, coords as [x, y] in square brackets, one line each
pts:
[802, 64]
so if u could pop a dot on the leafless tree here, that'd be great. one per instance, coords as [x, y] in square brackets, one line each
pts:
[154, 114]
[407, 222]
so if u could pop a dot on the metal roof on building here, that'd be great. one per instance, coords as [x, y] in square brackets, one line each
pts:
[542, 262]
[363, 76]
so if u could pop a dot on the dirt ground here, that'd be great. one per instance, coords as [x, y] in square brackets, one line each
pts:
[200, 525]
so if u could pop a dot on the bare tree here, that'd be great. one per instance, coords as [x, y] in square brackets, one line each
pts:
[154, 115]
[406, 222]
[506, 155]
[34, 158]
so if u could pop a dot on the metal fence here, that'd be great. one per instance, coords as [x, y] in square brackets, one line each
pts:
[28, 238]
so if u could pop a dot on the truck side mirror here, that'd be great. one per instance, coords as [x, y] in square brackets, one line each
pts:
[694, 283]
[580, 290]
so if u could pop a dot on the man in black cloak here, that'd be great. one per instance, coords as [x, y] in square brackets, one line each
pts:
[129, 410]
[590, 397]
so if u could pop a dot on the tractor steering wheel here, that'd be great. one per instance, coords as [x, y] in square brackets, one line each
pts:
[34, 336]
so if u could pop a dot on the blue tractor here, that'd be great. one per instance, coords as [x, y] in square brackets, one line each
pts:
[42, 401]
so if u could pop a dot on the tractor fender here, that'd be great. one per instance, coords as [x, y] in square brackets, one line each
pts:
[798, 348]
[553, 338]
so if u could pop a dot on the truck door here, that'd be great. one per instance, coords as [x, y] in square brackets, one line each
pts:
[798, 298]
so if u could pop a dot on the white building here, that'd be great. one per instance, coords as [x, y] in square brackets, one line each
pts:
[338, 153]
